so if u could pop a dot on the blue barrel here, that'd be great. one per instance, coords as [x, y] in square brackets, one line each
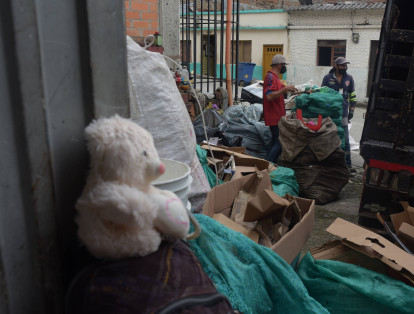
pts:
[245, 74]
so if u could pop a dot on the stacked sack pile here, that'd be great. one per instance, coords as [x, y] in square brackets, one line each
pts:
[316, 155]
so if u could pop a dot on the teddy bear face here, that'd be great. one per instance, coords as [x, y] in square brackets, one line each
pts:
[122, 151]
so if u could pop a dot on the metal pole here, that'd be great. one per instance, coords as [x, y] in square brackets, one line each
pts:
[221, 42]
[208, 46]
[236, 89]
[195, 41]
[215, 43]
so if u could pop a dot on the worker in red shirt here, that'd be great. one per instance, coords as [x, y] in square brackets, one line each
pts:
[274, 103]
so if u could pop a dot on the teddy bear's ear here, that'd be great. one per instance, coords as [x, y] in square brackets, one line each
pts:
[98, 135]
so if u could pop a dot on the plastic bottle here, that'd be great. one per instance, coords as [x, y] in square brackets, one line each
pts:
[185, 76]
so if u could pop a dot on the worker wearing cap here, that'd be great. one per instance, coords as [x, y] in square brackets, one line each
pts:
[339, 80]
[274, 102]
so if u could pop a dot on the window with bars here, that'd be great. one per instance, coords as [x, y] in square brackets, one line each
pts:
[329, 50]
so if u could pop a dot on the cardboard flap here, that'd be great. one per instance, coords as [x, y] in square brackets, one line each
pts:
[221, 198]
[264, 203]
[409, 210]
[398, 219]
[293, 241]
[226, 221]
[389, 252]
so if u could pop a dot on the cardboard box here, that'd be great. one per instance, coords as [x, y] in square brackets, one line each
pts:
[224, 220]
[374, 245]
[406, 235]
[221, 198]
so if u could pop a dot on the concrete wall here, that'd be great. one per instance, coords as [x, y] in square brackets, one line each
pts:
[306, 28]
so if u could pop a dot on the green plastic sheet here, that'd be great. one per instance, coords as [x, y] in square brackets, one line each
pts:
[346, 288]
[253, 277]
[284, 181]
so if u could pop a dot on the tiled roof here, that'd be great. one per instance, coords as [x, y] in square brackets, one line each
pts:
[326, 7]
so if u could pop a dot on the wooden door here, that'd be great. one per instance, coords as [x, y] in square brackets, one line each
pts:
[269, 51]
[208, 56]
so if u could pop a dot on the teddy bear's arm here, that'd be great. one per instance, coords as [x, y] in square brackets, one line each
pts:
[122, 204]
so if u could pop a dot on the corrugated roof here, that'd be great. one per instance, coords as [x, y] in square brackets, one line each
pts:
[328, 7]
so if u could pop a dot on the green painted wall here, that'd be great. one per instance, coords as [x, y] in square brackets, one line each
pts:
[257, 71]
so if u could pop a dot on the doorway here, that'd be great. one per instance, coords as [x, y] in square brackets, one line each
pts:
[269, 51]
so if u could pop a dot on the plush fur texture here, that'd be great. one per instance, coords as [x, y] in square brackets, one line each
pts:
[120, 214]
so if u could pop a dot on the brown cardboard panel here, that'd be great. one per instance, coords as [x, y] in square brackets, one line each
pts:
[398, 219]
[240, 159]
[409, 210]
[292, 242]
[337, 251]
[379, 247]
[265, 203]
[242, 171]
[221, 197]
[224, 220]
[406, 234]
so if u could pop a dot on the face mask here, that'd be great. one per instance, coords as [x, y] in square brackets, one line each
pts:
[342, 71]
[283, 69]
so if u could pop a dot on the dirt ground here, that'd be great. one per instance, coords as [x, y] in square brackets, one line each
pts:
[345, 207]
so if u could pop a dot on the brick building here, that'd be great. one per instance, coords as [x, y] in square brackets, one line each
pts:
[141, 18]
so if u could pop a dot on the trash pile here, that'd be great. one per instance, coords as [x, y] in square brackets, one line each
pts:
[255, 216]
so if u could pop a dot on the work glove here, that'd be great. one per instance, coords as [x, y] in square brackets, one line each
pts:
[351, 114]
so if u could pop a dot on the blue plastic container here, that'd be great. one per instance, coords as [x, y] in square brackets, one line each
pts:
[245, 74]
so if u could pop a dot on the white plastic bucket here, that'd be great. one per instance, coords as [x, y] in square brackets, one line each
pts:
[176, 178]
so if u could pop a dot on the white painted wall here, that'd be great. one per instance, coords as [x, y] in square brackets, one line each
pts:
[255, 27]
[307, 27]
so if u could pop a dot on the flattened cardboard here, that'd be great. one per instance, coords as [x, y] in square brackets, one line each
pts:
[224, 220]
[240, 159]
[406, 235]
[265, 203]
[372, 244]
[337, 251]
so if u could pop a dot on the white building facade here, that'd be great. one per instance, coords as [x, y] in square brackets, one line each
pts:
[318, 34]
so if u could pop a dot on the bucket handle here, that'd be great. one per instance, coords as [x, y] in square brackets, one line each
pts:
[197, 227]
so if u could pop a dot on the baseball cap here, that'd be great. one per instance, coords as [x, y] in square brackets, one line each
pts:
[279, 59]
[340, 60]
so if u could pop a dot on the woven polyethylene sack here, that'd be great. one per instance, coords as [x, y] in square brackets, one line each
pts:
[157, 106]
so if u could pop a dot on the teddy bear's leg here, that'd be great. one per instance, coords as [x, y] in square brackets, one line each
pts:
[172, 218]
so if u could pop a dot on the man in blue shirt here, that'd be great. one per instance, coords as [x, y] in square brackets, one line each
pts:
[342, 82]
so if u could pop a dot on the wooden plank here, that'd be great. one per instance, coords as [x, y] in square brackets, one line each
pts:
[402, 35]
[397, 61]
[393, 85]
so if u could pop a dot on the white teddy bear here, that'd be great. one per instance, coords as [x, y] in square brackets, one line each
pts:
[120, 214]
